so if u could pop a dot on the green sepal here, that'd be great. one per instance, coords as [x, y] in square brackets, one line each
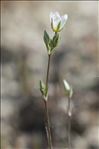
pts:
[58, 27]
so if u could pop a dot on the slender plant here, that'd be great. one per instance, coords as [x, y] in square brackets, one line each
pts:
[57, 23]
[69, 93]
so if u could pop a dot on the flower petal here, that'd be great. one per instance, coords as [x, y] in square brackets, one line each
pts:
[51, 16]
[55, 19]
[56, 16]
[63, 20]
[55, 23]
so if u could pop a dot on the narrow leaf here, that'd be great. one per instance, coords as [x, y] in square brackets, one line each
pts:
[46, 39]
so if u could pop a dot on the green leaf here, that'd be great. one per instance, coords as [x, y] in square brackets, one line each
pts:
[55, 40]
[46, 40]
[44, 90]
[42, 87]
[51, 43]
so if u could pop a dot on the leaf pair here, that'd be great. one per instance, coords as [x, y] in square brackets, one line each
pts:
[50, 43]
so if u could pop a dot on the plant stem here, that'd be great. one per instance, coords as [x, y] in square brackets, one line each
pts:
[69, 123]
[48, 131]
[47, 75]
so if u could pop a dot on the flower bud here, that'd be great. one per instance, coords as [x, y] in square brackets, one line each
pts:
[68, 89]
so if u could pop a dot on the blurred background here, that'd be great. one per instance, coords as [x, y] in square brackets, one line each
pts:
[24, 62]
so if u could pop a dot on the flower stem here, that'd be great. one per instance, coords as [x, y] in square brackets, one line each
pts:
[48, 131]
[47, 75]
[69, 123]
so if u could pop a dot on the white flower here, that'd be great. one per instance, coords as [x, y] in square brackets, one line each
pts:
[68, 89]
[57, 21]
